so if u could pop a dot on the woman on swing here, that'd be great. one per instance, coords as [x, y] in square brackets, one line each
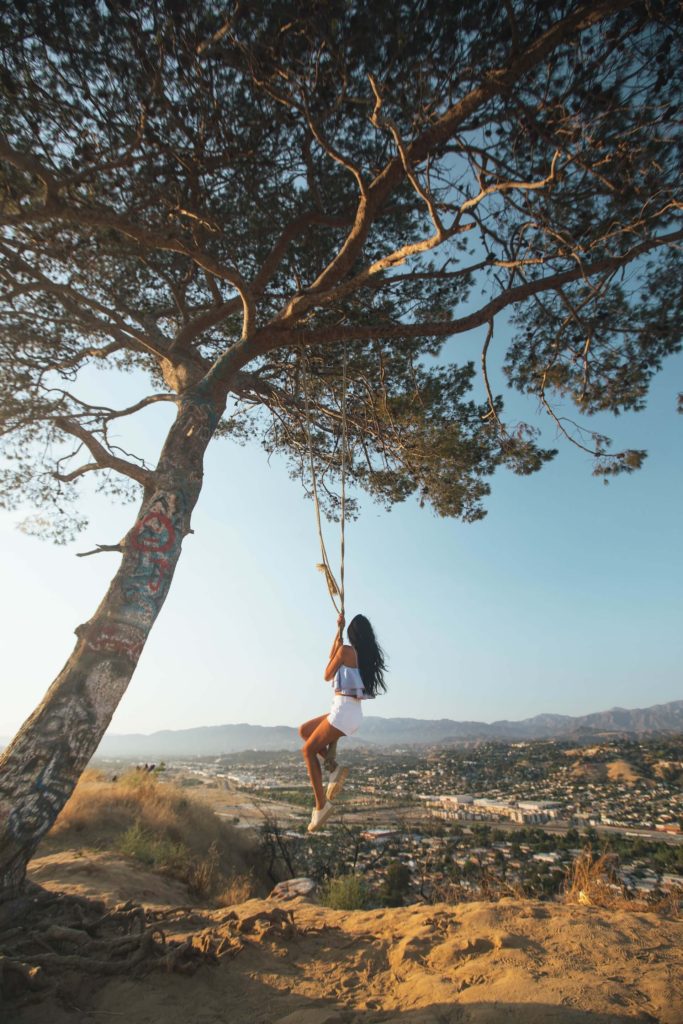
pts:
[356, 671]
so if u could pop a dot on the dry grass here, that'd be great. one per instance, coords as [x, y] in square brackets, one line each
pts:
[238, 889]
[594, 881]
[161, 826]
[622, 771]
[490, 888]
[590, 770]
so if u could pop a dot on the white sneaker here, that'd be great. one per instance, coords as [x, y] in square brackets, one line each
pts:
[318, 818]
[336, 781]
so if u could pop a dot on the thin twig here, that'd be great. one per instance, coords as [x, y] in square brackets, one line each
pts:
[118, 548]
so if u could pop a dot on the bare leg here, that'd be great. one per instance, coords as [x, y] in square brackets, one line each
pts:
[318, 740]
[308, 728]
[329, 753]
[330, 757]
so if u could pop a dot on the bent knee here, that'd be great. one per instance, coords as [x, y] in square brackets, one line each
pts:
[309, 749]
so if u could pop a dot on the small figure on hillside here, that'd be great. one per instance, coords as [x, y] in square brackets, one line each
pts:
[356, 671]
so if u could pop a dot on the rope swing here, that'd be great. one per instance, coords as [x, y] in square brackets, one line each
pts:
[335, 589]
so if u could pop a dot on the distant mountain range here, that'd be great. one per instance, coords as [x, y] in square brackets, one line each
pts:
[393, 732]
[661, 718]
[213, 740]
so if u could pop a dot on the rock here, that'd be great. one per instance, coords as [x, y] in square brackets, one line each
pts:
[292, 887]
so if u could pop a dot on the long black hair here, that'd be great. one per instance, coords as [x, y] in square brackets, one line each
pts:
[371, 661]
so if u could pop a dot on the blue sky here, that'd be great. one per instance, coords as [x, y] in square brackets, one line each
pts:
[565, 599]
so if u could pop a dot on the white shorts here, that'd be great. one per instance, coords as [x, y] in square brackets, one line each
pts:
[346, 714]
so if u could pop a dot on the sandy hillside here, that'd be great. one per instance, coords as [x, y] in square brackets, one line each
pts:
[106, 876]
[513, 962]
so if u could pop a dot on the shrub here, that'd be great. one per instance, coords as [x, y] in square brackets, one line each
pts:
[592, 880]
[396, 884]
[203, 875]
[346, 892]
[155, 851]
[238, 889]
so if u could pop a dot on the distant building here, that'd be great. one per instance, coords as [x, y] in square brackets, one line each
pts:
[380, 835]
[454, 800]
[463, 806]
[549, 808]
[539, 805]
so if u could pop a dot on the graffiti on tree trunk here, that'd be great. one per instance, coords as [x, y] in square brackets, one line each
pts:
[81, 712]
[154, 544]
[120, 638]
[66, 736]
[151, 552]
[43, 764]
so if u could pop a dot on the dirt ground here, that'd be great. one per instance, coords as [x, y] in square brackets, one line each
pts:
[514, 962]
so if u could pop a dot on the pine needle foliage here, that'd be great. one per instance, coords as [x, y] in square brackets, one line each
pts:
[193, 193]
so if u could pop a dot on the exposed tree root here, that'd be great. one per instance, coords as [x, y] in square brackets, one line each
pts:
[50, 942]
[264, 922]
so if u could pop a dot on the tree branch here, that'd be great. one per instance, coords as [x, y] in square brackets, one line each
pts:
[66, 478]
[333, 153]
[99, 549]
[496, 82]
[30, 164]
[493, 412]
[391, 127]
[92, 353]
[103, 458]
[55, 208]
[274, 337]
[105, 413]
[509, 186]
[85, 309]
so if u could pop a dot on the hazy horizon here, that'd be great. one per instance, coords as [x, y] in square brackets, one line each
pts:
[285, 725]
[492, 721]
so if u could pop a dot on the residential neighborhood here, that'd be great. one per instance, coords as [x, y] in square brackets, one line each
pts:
[497, 818]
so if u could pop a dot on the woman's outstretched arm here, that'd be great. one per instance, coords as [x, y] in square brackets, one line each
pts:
[337, 642]
[336, 652]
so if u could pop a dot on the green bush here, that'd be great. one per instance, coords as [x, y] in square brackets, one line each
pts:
[156, 851]
[396, 884]
[347, 892]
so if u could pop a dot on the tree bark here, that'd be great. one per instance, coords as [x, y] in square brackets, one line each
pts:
[40, 768]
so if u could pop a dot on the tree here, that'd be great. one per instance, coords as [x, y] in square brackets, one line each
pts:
[252, 210]
[396, 884]
[483, 834]
[277, 849]
[571, 838]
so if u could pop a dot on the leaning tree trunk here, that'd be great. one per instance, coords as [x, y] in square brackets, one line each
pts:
[39, 769]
